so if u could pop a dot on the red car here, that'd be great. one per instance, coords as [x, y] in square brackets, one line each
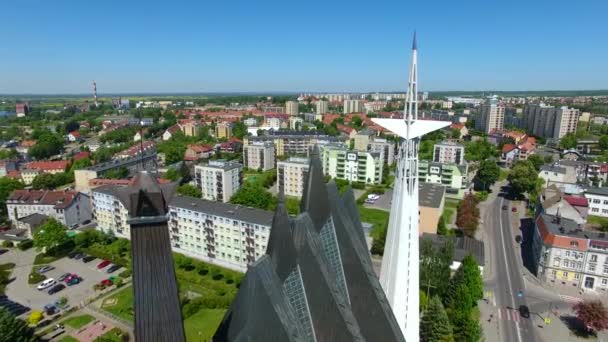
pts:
[106, 282]
[103, 264]
[70, 277]
[514, 209]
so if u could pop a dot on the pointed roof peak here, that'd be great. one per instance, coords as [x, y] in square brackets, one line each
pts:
[414, 43]
[314, 197]
[280, 246]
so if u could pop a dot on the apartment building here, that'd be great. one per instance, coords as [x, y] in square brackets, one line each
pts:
[387, 148]
[292, 108]
[490, 116]
[353, 106]
[322, 107]
[224, 234]
[567, 255]
[110, 210]
[223, 130]
[549, 122]
[293, 142]
[598, 201]
[219, 179]
[259, 156]
[431, 201]
[355, 166]
[452, 176]
[362, 139]
[291, 176]
[448, 152]
[68, 207]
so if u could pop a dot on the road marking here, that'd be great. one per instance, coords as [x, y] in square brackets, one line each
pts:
[499, 315]
[504, 251]
[570, 299]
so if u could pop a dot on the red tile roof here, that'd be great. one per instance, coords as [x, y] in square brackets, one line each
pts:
[456, 126]
[174, 129]
[14, 174]
[59, 199]
[28, 143]
[508, 148]
[136, 149]
[577, 201]
[345, 129]
[48, 165]
[75, 134]
[200, 148]
[81, 155]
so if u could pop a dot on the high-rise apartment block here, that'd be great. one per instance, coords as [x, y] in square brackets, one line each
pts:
[490, 116]
[322, 107]
[218, 180]
[292, 107]
[449, 153]
[381, 145]
[223, 130]
[259, 156]
[293, 142]
[291, 175]
[352, 106]
[549, 122]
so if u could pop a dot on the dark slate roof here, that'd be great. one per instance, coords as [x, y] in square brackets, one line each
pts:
[34, 220]
[430, 195]
[598, 191]
[280, 247]
[463, 246]
[232, 211]
[553, 168]
[314, 197]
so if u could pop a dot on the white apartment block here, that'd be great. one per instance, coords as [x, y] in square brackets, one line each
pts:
[598, 201]
[219, 179]
[352, 106]
[68, 207]
[354, 166]
[448, 152]
[292, 108]
[380, 145]
[110, 212]
[490, 116]
[322, 107]
[259, 156]
[224, 234]
[550, 122]
[291, 176]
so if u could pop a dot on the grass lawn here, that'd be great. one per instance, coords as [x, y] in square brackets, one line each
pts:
[451, 203]
[42, 259]
[206, 321]
[123, 305]
[377, 217]
[448, 214]
[597, 220]
[503, 174]
[68, 338]
[77, 322]
[114, 334]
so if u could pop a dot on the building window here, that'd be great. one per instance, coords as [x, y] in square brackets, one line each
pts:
[565, 274]
[556, 262]
[604, 281]
[591, 268]
[567, 253]
[574, 243]
[593, 258]
[577, 276]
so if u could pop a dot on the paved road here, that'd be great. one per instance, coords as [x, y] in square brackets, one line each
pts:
[507, 278]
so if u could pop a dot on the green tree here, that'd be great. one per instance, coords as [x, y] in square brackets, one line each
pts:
[48, 145]
[465, 326]
[50, 235]
[434, 324]
[189, 190]
[488, 173]
[435, 267]
[119, 173]
[254, 195]
[10, 153]
[442, 228]
[465, 288]
[537, 161]
[239, 129]
[7, 185]
[44, 181]
[568, 141]
[455, 133]
[480, 150]
[603, 142]
[467, 215]
[523, 178]
[14, 329]
[80, 164]
[172, 174]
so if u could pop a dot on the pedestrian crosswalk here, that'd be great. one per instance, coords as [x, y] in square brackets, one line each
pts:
[508, 315]
[570, 299]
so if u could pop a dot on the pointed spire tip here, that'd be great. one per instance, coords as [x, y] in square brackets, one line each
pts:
[414, 44]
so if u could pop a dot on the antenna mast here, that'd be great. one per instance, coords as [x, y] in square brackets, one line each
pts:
[95, 93]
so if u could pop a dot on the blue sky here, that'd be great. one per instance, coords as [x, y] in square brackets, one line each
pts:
[257, 46]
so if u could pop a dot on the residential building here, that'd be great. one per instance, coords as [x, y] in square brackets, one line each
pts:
[448, 152]
[511, 153]
[549, 122]
[293, 142]
[556, 173]
[291, 176]
[461, 128]
[295, 123]
[223, 130]
[171, 131]
[49, 166]
[453, 176]
[553, 201]
[387, 148]
[250, 122]
[315, 282]
[21, 109]
[191, 128]
[490, 116]
[136, 150]
[362, 139]
[463, 246]
[259, 156]
[598, 201]
[219, 179]
[68, 207]
[74, 136]
[322, 107]
[28, 175]
[7, 166]
[29, 224]
[196, 152]
[224, 234]
[431, 200]
[353, 166]
[110, 210]
[292, 108]
[352, 106]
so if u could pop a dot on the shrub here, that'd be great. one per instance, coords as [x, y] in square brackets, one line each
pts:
[203, 271]
[35, 277]
[191, 308]
[119, 282]
[218, 276]
[25, 245]
[125, 274]
[7, 243]
[229, 281]
[35, 317]
[358, 185]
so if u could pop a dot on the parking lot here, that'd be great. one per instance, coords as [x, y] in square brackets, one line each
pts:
[20, 291]
[382, 203]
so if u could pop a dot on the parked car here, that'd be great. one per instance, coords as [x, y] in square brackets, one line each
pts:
[63, 277]
[56, 288]
[2, 251]
[86, 222]
[88, 258]
[79, 256]
[103, 264]
[70, 276]
[112, 268]
[45, 269]
[373, 196]
[46, 284]
[71, 255]
[106, 282]
[74, 281]
[524, 311]
[369, 201]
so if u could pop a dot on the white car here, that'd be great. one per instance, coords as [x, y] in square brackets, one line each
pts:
[373, 197]
[46, 284]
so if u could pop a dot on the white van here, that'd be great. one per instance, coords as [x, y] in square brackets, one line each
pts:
[46, 284]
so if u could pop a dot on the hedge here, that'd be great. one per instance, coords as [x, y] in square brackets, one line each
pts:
[7, 243]
[25, 245]
[35, 277]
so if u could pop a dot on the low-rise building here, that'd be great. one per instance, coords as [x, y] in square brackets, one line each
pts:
[553, 201]
[136, 150]
[453, 176]
[598, 201]
[353, 166]
[48, 166]
[431, 200]
[219, 179]
[171, 131]
[556, 173]
[28, 175]
[291, 176]
[7, 166]
[463, 246]
[294, 142]
[259, 156]
[68, 207]
[196, 152]
[224, 234]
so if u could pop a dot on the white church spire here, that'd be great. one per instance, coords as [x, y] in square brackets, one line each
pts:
[399, 275]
